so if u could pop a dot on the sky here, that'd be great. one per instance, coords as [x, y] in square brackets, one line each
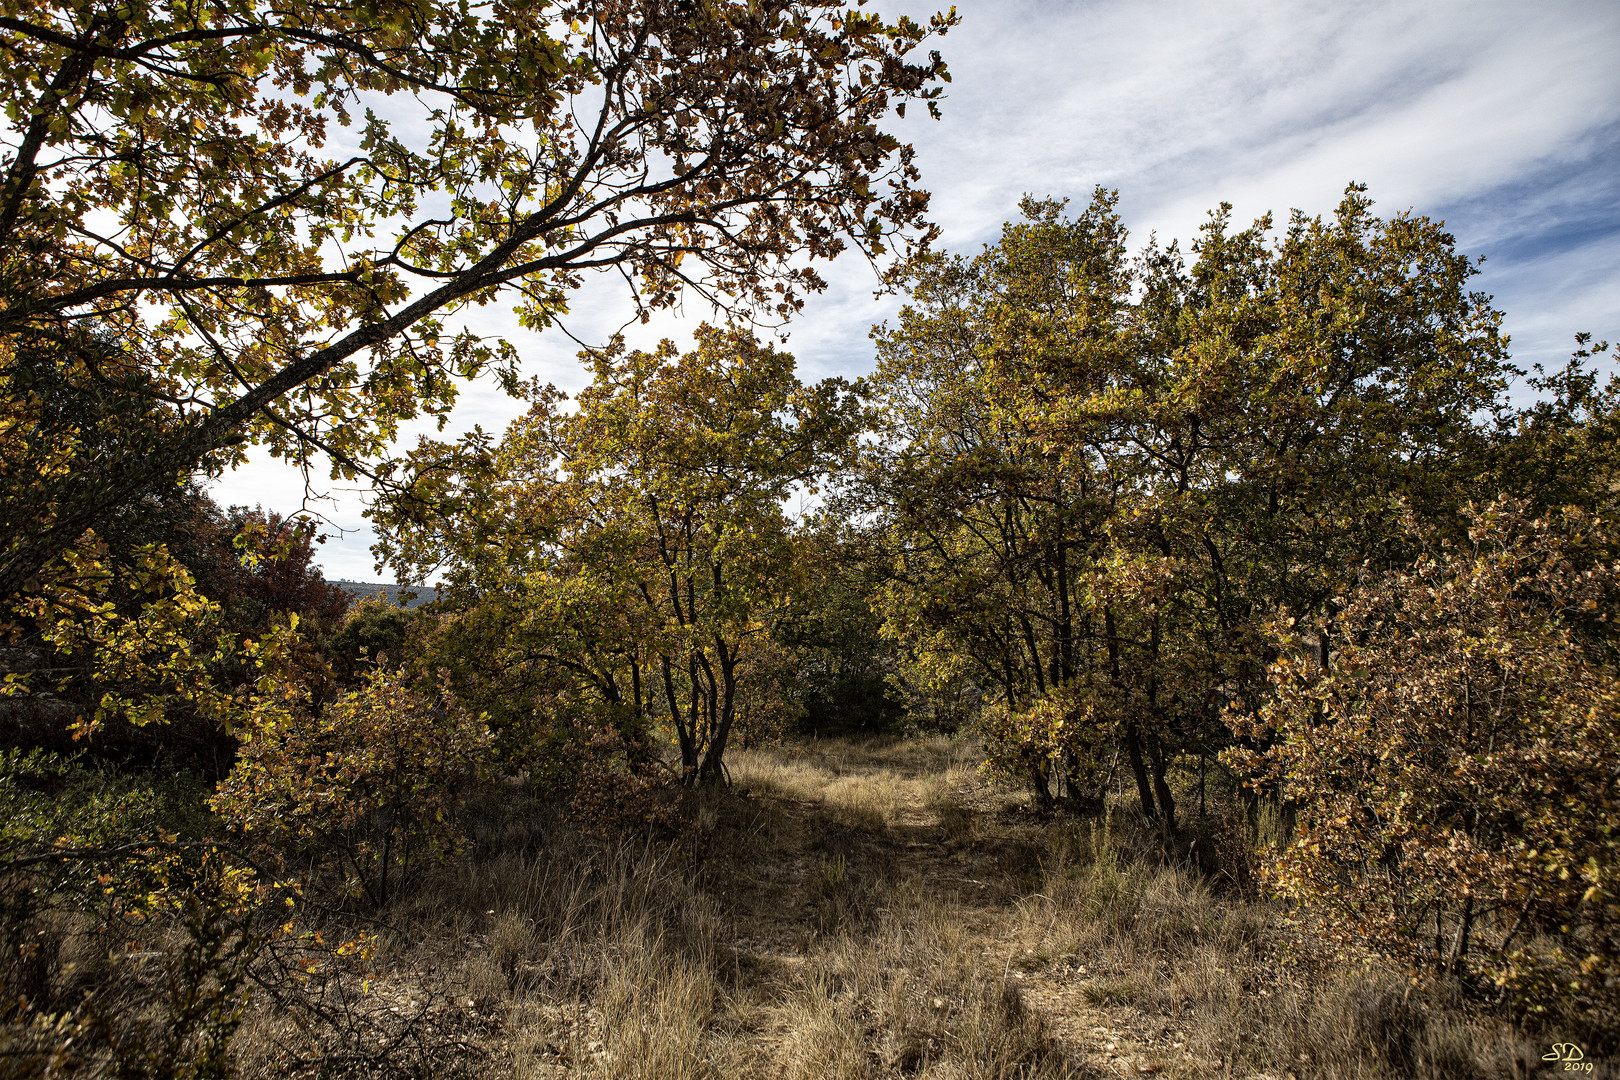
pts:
[1502, 119]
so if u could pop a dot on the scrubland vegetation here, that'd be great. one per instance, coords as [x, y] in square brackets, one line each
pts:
[846, 909]
[1193, 662]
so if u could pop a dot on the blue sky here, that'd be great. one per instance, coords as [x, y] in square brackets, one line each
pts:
[1503, 119]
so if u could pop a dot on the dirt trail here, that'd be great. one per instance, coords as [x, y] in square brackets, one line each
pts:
[837, 836]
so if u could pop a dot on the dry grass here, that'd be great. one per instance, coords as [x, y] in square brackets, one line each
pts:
[911, 997]
[1200, 984]
[866, 785]
[866, 910]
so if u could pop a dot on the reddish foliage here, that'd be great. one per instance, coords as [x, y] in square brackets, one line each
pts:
[1454, 765]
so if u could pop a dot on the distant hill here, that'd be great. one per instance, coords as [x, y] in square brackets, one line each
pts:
[391, 593]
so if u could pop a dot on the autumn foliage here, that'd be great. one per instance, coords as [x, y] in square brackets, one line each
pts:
[362, 786]
[1261, 508]
[1103, 474]
[1453, 765]
[208, 227]
[624, 564]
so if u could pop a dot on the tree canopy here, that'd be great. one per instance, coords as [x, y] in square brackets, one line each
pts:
[258, 219]
[1103, 474]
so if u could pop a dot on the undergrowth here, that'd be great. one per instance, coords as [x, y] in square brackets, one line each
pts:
[846, 910]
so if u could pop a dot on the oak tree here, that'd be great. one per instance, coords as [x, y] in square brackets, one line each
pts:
[1103, 474]
[624, 562]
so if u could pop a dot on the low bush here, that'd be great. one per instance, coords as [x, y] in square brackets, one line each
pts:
[362, 788]
[1454, 766]
[126, 937]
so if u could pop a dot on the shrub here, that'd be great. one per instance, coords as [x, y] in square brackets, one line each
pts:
[373, 631]
[364, 784]
[125, 938]
[1455, 765]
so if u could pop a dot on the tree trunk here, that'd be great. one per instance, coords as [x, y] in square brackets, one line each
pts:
[1161, 787]
[713, 769]
[1040, 782]
[683, 735]
[1079, 800]
[1144, 787]
[1459, 944]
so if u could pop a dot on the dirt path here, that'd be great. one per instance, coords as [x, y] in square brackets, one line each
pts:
[823, 845]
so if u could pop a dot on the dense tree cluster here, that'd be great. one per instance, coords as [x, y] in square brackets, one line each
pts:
[1146, 511]
[1102, 475]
